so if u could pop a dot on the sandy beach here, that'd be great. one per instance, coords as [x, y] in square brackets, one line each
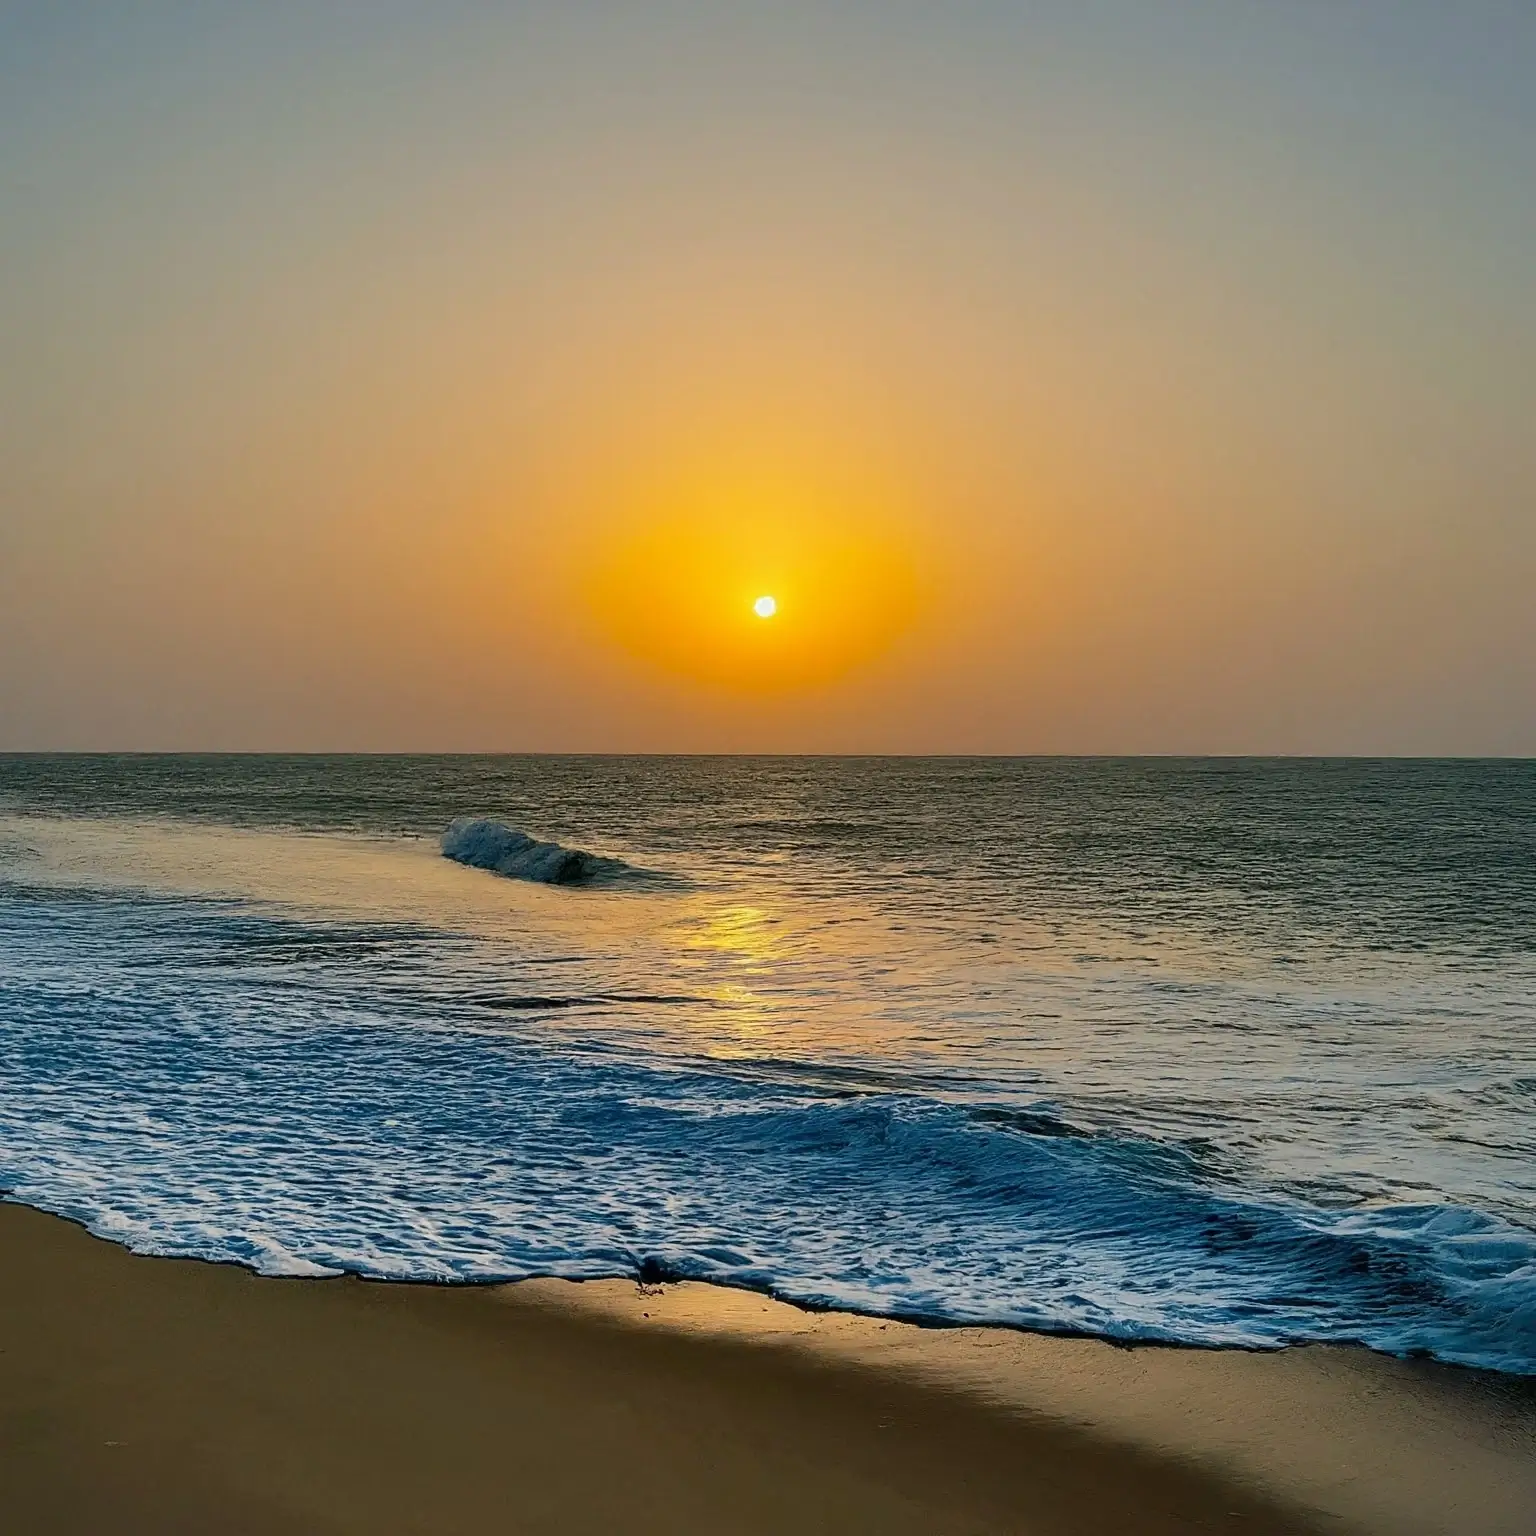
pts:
[146, 1394]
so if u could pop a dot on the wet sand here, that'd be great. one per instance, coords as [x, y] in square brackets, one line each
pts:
[166, 1396]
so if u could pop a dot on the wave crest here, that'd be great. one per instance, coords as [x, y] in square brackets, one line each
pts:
[482, 843]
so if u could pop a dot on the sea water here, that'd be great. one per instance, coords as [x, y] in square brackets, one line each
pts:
[1218, 1052]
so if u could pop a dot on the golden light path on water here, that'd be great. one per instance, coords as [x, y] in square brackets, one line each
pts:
[762, 969]
[742, 963]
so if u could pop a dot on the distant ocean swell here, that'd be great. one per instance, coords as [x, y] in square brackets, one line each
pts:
[302, 1129]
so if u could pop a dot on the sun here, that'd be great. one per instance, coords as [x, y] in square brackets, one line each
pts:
[748, 599]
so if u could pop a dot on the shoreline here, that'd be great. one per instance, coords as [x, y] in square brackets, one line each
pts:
[141, 1393]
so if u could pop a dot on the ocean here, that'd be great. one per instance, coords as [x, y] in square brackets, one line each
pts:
[1215, 1052]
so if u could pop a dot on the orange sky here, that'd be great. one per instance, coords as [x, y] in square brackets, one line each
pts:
[1080, 381]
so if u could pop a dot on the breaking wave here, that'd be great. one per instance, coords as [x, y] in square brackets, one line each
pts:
[508, 1158]
[482, 843]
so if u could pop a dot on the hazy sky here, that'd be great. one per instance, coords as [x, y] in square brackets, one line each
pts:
[1092, 376]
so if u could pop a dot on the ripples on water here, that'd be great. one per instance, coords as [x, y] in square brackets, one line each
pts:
[1209, 1051]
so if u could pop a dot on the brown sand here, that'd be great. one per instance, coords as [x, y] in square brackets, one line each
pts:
[155, 1395]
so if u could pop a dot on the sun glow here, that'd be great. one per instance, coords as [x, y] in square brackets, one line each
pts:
[754, 581]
